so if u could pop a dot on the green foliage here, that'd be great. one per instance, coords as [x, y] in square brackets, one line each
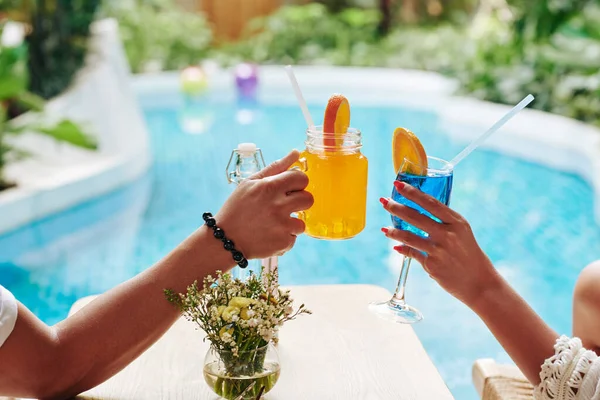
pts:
[13, 89]
[537, 20]
[57, 42]
[561, 70]
[336, 5]
[548, 48]
[158, 34]
[433, 11]
[237, 315]
[312, 35]
[308, 34]
[67, 131]
[443, 49]
[7, 5]
[13, 73]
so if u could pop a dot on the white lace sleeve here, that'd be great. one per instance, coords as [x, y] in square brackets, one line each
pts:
[573, 373]
[8, 314]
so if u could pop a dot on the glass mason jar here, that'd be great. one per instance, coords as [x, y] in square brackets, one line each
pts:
[337, 173]
[246, 374]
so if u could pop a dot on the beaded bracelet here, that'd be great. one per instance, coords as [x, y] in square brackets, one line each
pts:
[238, 257]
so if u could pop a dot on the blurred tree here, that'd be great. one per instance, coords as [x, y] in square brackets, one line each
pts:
[336, 5]
[385, 7]
[57, 42]
[159, 34]
[309, 34]
[56, 39]
[434, 11]
[537, 20]
[6, 5]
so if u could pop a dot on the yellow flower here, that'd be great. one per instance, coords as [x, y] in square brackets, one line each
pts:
[225, 330]
[240, 302]
[220, 310]
[271, 299]
[246, 314]
[229, 312]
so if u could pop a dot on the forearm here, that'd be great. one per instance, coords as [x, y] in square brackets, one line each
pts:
[118, 326]
[113, 330]
[521, 332]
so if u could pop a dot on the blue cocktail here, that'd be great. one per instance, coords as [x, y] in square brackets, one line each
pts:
[437, 182]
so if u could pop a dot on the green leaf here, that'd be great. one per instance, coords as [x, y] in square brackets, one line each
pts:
[31, 101]
[13, 74]
[5, 150]
[68, 131]
[12, 129]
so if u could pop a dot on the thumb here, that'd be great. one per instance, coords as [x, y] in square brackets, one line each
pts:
[279, 166]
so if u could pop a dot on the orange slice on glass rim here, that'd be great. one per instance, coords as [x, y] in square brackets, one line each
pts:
[407, 146]
[336, 120]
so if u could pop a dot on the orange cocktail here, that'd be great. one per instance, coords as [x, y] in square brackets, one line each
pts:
[337, 172]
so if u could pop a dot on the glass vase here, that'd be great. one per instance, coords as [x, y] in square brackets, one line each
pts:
[245, 374]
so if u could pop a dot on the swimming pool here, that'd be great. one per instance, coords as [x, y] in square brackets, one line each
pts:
[536, 224]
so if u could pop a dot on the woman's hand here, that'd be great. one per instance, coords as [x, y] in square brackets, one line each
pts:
[257, 216]
[453, 258]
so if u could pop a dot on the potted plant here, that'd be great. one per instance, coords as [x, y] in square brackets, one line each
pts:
[241, 320]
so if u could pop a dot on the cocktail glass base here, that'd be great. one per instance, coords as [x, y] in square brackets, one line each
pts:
[400, 313]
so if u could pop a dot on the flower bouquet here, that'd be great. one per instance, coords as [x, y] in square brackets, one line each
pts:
[241, 320]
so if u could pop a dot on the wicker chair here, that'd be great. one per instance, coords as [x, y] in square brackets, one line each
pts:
[495, 381]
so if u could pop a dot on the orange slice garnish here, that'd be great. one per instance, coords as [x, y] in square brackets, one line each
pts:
[336, 121]
[407, 146]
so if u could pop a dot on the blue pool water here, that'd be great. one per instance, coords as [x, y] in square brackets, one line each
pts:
[535, 223]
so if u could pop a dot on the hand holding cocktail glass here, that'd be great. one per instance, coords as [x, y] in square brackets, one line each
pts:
[450, 254]
[432, 176]
[328, 155]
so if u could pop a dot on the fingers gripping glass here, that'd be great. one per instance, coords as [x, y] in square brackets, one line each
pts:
[302, 166]
[436, 182]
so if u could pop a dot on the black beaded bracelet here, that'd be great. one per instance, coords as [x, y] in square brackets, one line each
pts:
[238, 257]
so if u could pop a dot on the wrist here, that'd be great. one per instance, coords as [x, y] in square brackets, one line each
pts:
[228, 245]
[489, 293]
[231, 229]
[212, 250]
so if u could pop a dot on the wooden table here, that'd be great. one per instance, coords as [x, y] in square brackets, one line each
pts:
[339, 352]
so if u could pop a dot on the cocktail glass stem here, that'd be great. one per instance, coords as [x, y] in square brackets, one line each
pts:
[396, 309]
[398, 298]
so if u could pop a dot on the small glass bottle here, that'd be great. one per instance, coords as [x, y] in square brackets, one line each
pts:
[245, 161]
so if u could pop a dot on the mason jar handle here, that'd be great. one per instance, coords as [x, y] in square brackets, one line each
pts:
[300, 165]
